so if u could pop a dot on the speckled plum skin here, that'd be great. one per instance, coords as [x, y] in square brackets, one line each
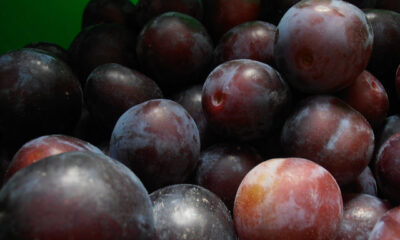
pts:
[365, 183]
[148, 9]
[111, 89]
[222, 168]
[368, 96]
[245, 99]
[158, 140]
[46, 146]
[75, 195]
[329, 132]
[190, 212]
[361, 212]
[174, 48]
[386, 168]
[322, 46]
[39, 95]
[251, 40]
[388, 226]
[288, 198]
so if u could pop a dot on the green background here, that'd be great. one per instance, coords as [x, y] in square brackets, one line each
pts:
[26, 21]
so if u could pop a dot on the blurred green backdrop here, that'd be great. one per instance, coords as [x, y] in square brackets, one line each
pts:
[26, 21]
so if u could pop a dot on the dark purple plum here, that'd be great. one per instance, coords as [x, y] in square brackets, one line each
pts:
[75, 195]
[390, 126]
[385, 56]
[251, 40]
[326, 130]
[222, 168]
[174, 49]
[222, 15]
[368, 96]
[109, 11]
[244, 99]
[361, 212]
[387, 168]
[46, 146]
[39, 95]
[148, 9]
[190, 212]
[52, 48]
[111, 89]
[365, 183]
[101, 44]
[322, 46]
[159, 141]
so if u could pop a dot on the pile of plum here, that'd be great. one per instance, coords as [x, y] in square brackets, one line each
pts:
[206, 119]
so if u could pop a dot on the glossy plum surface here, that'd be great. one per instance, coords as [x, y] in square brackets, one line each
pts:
[365, 183]
[322, 46]
[386, 168]
[191, 212]
[245, 99]
[390, 126]
[361, 212]
[148, 9]
[52, 48]
[75, 195]
[158, 140]
[46, 146]
[368, 96]
[101, 44]
[39, 95]
[174, 48]
[251, 40]
[326, 130]
[388, 226]
[288, 198]
[222, 168]
[108, 11]
[111, 89]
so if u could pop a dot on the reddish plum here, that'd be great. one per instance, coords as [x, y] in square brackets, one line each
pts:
[361, 212]
[251, 40]
[368, 96]
[158, 140]
[75, 195]
[288, 198]
[111, 89]
[245, 99]
[190, 212]
[174, 49]
[46, 146]
[222, 168]
[388, 226]
[322, 46]
[326, 130]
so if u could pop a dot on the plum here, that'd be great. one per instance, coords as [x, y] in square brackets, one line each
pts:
[251, 40]
[45, 146]
[365, 183]
[111, 89]
[322, 46]
[288, 198]
[158, 140]
[75, 195]
[185, 211]
[387, 227]
[245, 99]
[39, 95]
[222, 168]
[175, 50]
[326, 130]
[52, 48]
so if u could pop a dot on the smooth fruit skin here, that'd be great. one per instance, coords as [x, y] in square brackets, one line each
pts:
[322, 46]
[46, 146]
[288, 198]
[364, 183]
[190, 212]
[387, 228]
[39, 95]
[75, 195]
[329, 132]
[245, 99]
[158, 140]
